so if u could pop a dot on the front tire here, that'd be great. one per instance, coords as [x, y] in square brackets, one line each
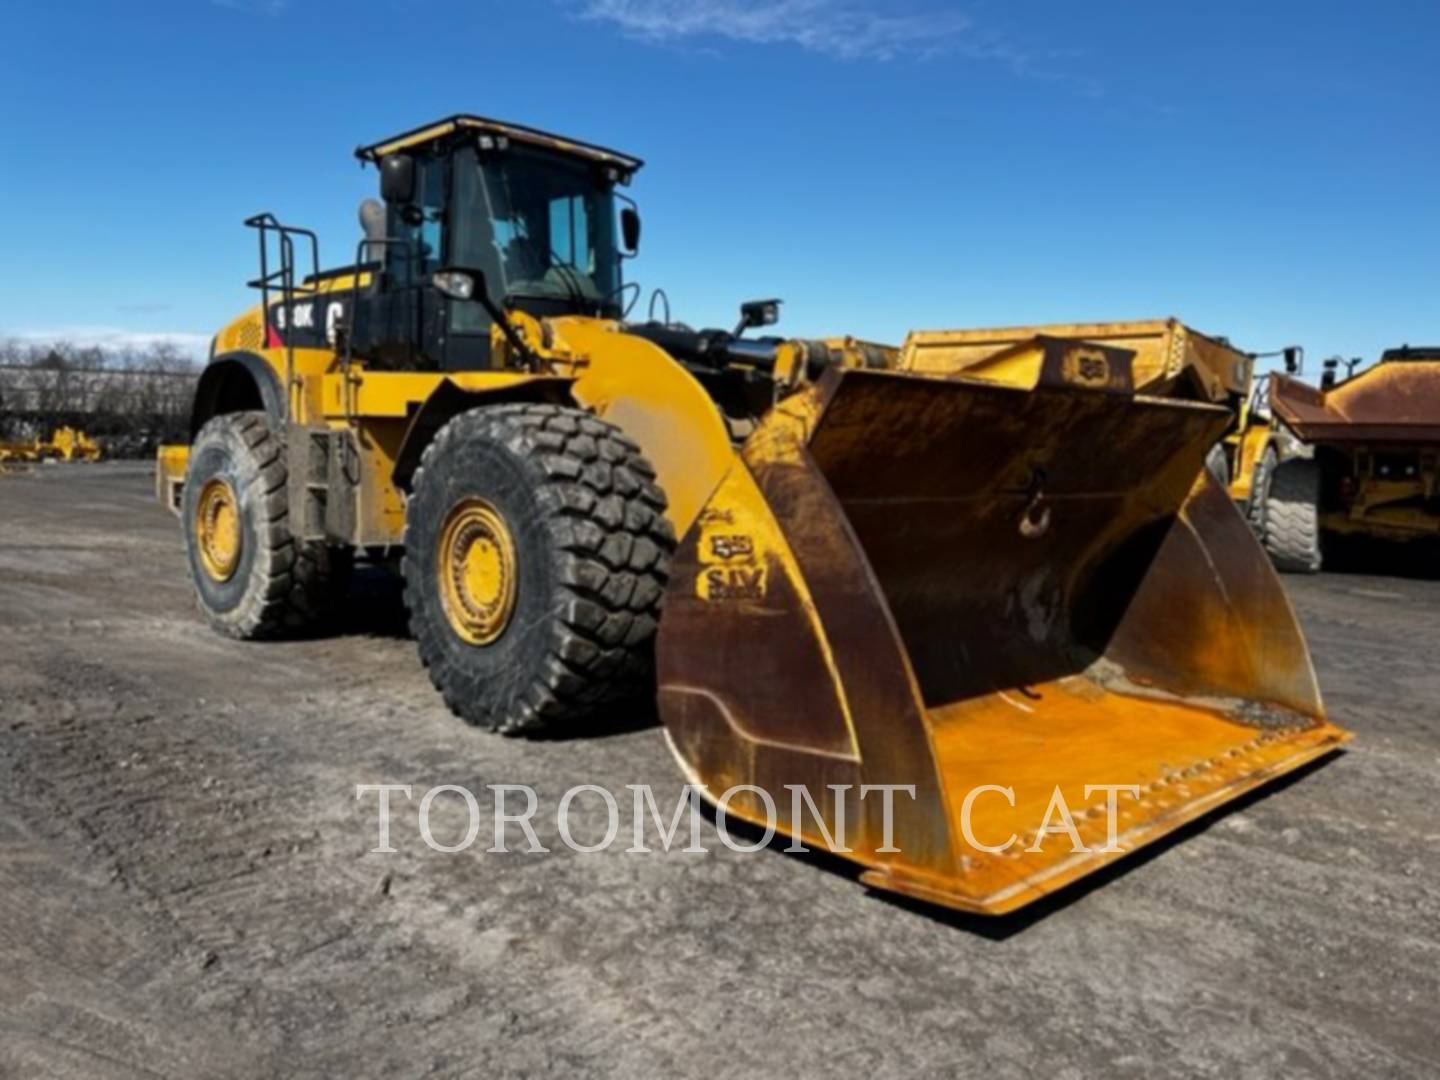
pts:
[536, 556]
[1219, 465]
[1256, 509]
[1292, 516]
[253, 579]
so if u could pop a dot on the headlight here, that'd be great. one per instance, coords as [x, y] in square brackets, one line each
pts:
[456, 284]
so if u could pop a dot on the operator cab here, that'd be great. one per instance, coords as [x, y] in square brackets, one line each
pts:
[534, 214]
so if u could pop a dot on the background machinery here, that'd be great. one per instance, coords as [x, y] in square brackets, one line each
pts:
[1171, 360]
[1369, 462]
[64, 444]
[72, 444]
[834, 564]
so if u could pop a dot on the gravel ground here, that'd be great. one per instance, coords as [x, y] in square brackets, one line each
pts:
[186, 885]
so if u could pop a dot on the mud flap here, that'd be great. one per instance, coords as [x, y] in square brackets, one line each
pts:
[984, 599]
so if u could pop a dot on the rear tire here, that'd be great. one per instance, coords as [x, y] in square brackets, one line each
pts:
[1292, 516]
[536, 558]
[252, 578]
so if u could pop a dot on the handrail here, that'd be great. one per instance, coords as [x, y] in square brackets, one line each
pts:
[282, 279]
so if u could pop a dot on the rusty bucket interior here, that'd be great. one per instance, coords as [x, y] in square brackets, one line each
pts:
[984, 595]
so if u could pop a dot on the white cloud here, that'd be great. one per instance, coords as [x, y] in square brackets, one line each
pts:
[86, 337]
[845, 29]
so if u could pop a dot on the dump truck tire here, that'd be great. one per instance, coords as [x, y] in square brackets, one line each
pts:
[1256, 510]
[536, 555]
[253, 579]
[1292, 516]
[1219, 465]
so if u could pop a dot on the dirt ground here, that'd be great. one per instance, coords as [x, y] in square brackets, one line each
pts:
[187, 890]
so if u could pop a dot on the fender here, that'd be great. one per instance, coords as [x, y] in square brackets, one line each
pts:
[648, 394]
[236, 382]
[449, 399]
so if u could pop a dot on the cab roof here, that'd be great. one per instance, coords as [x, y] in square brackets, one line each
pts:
[1412, 352]
[517, 132]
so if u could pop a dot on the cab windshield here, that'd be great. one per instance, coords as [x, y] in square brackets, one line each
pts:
[543, 228]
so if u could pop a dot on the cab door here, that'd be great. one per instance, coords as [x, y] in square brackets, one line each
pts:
[405, 313]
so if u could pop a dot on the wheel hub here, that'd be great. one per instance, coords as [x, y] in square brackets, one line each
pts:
[476, 564]
[217, 529]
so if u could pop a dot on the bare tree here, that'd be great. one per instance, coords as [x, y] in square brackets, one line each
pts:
[130, 399]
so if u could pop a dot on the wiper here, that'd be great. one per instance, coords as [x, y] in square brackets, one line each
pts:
[570, 276]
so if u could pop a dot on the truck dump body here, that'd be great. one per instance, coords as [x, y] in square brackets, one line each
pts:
[1170, 358]
[1397, 400]
[955, 585]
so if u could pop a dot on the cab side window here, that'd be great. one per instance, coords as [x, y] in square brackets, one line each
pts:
[570, 232]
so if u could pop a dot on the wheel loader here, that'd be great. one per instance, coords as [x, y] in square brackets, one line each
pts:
[834, 567]
[1369, 463]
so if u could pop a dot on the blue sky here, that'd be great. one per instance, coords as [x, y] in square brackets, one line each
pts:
[1265, 170]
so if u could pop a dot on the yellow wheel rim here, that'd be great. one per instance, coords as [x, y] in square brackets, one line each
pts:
[217, 529]
[476, 565]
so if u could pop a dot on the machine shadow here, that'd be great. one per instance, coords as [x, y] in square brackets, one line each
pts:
[374, 603]
[374, 606]
[1415, 560]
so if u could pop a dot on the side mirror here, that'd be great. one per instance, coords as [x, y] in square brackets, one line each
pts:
[1292, 360]
[397, 179]
[757, 313]
[1327, 376]
[630, 230]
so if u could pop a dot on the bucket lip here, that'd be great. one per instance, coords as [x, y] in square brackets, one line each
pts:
[945, 889]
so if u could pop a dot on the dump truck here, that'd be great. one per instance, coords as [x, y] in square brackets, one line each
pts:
[1171, 360]
[830, 567]
[1370, 459]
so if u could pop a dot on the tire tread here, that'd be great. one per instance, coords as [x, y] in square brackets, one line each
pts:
[600, 505]
[299, 579]
[1292, 516]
